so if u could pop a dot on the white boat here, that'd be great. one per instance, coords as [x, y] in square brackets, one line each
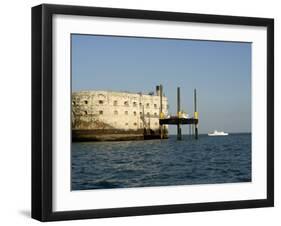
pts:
[217, 133]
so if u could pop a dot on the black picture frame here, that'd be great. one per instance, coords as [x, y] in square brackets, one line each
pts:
[42, 111]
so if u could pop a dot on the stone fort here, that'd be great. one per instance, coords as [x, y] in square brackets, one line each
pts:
[110, 115]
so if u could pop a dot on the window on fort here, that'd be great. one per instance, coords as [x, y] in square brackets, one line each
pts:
[135, 113]
[115, 103]
[126, 112]
[126, 124]
[147, 114]
[140, 104]
[147, 105]
[135, 104]
[85, 112]
[155, 114]
[100, 101]
[73, 102]
[115, 112]
[126, 103]
[135, 124]
[101, 112]
[155, 105]
[86, 102]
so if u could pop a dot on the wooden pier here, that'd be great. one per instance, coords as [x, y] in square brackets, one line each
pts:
[178, 119]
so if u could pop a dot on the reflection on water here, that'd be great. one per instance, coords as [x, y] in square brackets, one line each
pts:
[100, 165]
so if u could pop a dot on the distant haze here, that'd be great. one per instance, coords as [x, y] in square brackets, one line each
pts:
[220, 71]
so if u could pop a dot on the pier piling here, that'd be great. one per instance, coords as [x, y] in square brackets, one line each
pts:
[179, 125]
[195, 115]
[161, 111]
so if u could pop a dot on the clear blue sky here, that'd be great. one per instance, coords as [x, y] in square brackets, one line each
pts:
[220, 71]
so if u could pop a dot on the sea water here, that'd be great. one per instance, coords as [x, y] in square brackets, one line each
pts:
[124, 164]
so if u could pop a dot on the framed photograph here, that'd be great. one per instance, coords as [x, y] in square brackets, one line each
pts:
[140, 112]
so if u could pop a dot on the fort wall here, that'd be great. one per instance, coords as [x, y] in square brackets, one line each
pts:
[123, 113]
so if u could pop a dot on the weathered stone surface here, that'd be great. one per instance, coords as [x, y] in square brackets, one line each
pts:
[105, 111]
